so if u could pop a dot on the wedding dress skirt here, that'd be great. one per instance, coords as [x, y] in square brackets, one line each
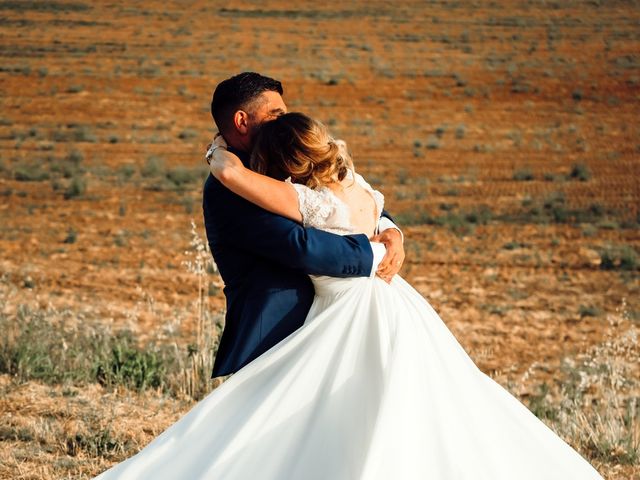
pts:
[373, 386]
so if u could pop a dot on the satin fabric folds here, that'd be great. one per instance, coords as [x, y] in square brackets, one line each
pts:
[372, 387]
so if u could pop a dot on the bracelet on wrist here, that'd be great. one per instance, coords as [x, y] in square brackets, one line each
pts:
[209, 155]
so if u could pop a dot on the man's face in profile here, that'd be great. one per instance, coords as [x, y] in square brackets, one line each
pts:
[267, 107]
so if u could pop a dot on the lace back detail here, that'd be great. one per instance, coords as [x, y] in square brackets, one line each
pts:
[322, 209]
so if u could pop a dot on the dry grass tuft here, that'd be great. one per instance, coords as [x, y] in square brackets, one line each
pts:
[49, 432]
[594, 404]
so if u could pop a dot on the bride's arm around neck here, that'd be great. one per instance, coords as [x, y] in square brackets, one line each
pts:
[273, 195]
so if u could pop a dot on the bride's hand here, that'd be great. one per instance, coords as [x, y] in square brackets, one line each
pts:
[217, 142]
[223, 164]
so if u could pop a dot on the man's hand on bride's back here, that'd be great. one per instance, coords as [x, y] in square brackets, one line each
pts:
[394, 258]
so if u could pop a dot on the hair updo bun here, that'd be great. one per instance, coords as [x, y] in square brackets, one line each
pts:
[294, 145]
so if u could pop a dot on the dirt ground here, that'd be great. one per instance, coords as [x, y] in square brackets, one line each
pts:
[504, 135]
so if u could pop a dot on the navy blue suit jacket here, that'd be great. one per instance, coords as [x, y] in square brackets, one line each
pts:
[264, 260]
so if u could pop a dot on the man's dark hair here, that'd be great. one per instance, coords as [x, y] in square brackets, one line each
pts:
[236, 93]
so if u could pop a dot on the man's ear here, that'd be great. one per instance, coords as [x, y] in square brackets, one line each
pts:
[241, 122]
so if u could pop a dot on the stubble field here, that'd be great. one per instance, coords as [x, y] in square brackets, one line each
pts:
[504, 135]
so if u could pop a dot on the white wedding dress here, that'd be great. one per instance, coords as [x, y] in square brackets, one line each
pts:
[372, 387]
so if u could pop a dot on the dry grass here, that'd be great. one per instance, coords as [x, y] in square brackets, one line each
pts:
[593, 403]
[65, 347]
[74, 427]
[77, 397]
[64, 432]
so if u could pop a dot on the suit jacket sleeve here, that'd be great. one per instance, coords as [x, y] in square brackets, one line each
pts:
[286, 242]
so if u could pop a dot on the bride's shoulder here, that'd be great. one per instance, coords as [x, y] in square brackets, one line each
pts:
[316, 205]
[364, 184]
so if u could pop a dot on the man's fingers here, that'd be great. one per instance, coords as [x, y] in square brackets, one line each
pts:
[386, 266]
[387, 260]
[386, 278]
[391, 265]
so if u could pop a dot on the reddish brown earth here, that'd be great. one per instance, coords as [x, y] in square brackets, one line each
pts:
[442, 103]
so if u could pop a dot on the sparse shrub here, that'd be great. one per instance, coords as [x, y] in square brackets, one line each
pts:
[403, 176]
[401, 194]
[461, 223]
[188, 204]
[588, 311]
[75, 158]
[523, 174]
[82, 133]
[554, 206]
[511, 245]
[457, 223]
[482, 148]
[213, 289]
[30, 174]
[480, 215]
[153, 167]
[181, 176]
[45, 6]
[589, 230]
[41, 350]
[125, 172]
[187, 134]
[460, 81]
[579, 171]
[432, 143]
[515, 136]
[540, 404]
[120, 239]
[131, 367]
[460, 131]
[628, 258]
[618, 258]
[72, 236]
[415, 216]
[76, 188]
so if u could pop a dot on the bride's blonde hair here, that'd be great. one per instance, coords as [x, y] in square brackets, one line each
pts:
[297, 146]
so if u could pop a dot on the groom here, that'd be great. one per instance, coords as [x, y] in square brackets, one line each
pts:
[263, 258]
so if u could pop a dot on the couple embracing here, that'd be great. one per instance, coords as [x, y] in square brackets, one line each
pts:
[341, 370]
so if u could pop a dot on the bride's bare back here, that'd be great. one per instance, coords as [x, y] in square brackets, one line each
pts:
[363, 211]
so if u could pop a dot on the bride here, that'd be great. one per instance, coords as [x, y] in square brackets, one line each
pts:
[372, 387]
